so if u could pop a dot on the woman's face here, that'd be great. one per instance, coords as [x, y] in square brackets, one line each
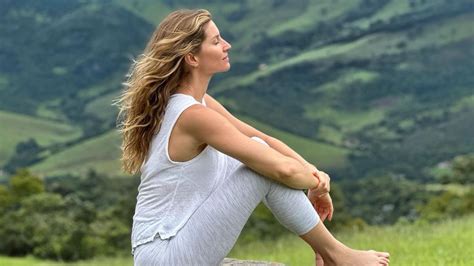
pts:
[213, 56]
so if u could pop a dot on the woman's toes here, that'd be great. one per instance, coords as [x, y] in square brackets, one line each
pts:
[385, 261]
[381, 254]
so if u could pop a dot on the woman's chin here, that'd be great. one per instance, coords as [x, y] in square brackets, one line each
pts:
[226, 68]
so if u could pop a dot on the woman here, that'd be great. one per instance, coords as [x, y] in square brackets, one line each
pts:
[203, 171]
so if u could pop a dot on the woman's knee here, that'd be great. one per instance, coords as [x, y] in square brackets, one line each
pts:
[243, 171]
[247, 176]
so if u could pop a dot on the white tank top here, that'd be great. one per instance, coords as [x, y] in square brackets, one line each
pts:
[170, 191]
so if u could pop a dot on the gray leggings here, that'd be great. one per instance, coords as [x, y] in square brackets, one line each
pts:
[214, 227]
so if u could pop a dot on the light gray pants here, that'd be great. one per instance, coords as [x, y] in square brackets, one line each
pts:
[214, 227]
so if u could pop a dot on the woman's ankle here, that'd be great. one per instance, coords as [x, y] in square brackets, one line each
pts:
[330, 256]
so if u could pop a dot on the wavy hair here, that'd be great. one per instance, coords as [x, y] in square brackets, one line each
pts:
[153, 78]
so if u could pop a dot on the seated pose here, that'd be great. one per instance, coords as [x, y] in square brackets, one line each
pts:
[203, 171]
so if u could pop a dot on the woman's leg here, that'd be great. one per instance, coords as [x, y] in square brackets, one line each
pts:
[319, 238]
[336, 253]
[213, 229]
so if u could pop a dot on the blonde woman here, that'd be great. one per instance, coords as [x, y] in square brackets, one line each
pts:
[203, 171]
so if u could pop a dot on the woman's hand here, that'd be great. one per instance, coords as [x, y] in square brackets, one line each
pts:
[324, 185]
[322, 205]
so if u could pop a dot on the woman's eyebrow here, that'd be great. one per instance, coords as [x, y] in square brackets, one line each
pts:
[218, 35]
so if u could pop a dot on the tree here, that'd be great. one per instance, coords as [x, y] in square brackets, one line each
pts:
[462, 170]
[26, 153]
[384, 199]
[6, 198]
[448, 204]
[24, 184]
[47, 225]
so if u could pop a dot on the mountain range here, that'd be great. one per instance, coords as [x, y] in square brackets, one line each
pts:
[359, 88]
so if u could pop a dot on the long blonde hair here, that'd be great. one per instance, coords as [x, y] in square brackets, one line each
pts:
[153, 78]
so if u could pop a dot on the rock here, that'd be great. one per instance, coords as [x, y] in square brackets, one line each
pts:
[232, 261]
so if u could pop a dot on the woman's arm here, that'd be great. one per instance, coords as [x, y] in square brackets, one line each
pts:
[250, 131]
[208, 126]
[301, 167]
[281, 147]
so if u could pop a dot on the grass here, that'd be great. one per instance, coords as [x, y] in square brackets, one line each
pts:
[3, 82]
[345, 79]
[50, 110]
[107, 85]
[435, 33]
[29, 260]
[150, 10]
[463, 103]
[102, 107]
[445, 32]
[312, 15]
[254, 19]
[20, 127]
[100, 153]
[331, 134]
[348, 122]
[336, 124]
[393, 8]
[446, 243]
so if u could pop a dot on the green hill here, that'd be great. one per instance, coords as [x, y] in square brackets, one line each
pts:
[100, 153]
[17, 128]
[353, 82]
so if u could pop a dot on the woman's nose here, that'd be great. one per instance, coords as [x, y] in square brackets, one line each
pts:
[228, 46]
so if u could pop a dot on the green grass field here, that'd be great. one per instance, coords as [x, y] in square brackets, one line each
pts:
[325, 10]
[100, 153]
[22, 127]
[446, 243]
[102, 107]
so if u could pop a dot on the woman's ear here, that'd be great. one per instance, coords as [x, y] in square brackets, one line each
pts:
[191, 60]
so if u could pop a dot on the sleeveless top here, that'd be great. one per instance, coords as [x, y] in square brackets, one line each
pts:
[170, 191]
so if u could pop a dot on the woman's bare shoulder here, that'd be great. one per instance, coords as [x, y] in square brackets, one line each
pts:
[197, 116]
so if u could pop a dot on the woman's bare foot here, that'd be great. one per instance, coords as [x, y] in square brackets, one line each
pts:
[319, 260]
[334, 252]
[358, 257]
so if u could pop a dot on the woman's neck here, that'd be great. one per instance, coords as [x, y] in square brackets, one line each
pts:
[195, 86]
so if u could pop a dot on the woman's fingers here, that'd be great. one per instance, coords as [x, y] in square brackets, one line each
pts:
[324, 182]
[322, 216]
[322, 212]
[324, 185]
[327, 180]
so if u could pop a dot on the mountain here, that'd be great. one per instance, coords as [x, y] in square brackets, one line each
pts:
[360, 88]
